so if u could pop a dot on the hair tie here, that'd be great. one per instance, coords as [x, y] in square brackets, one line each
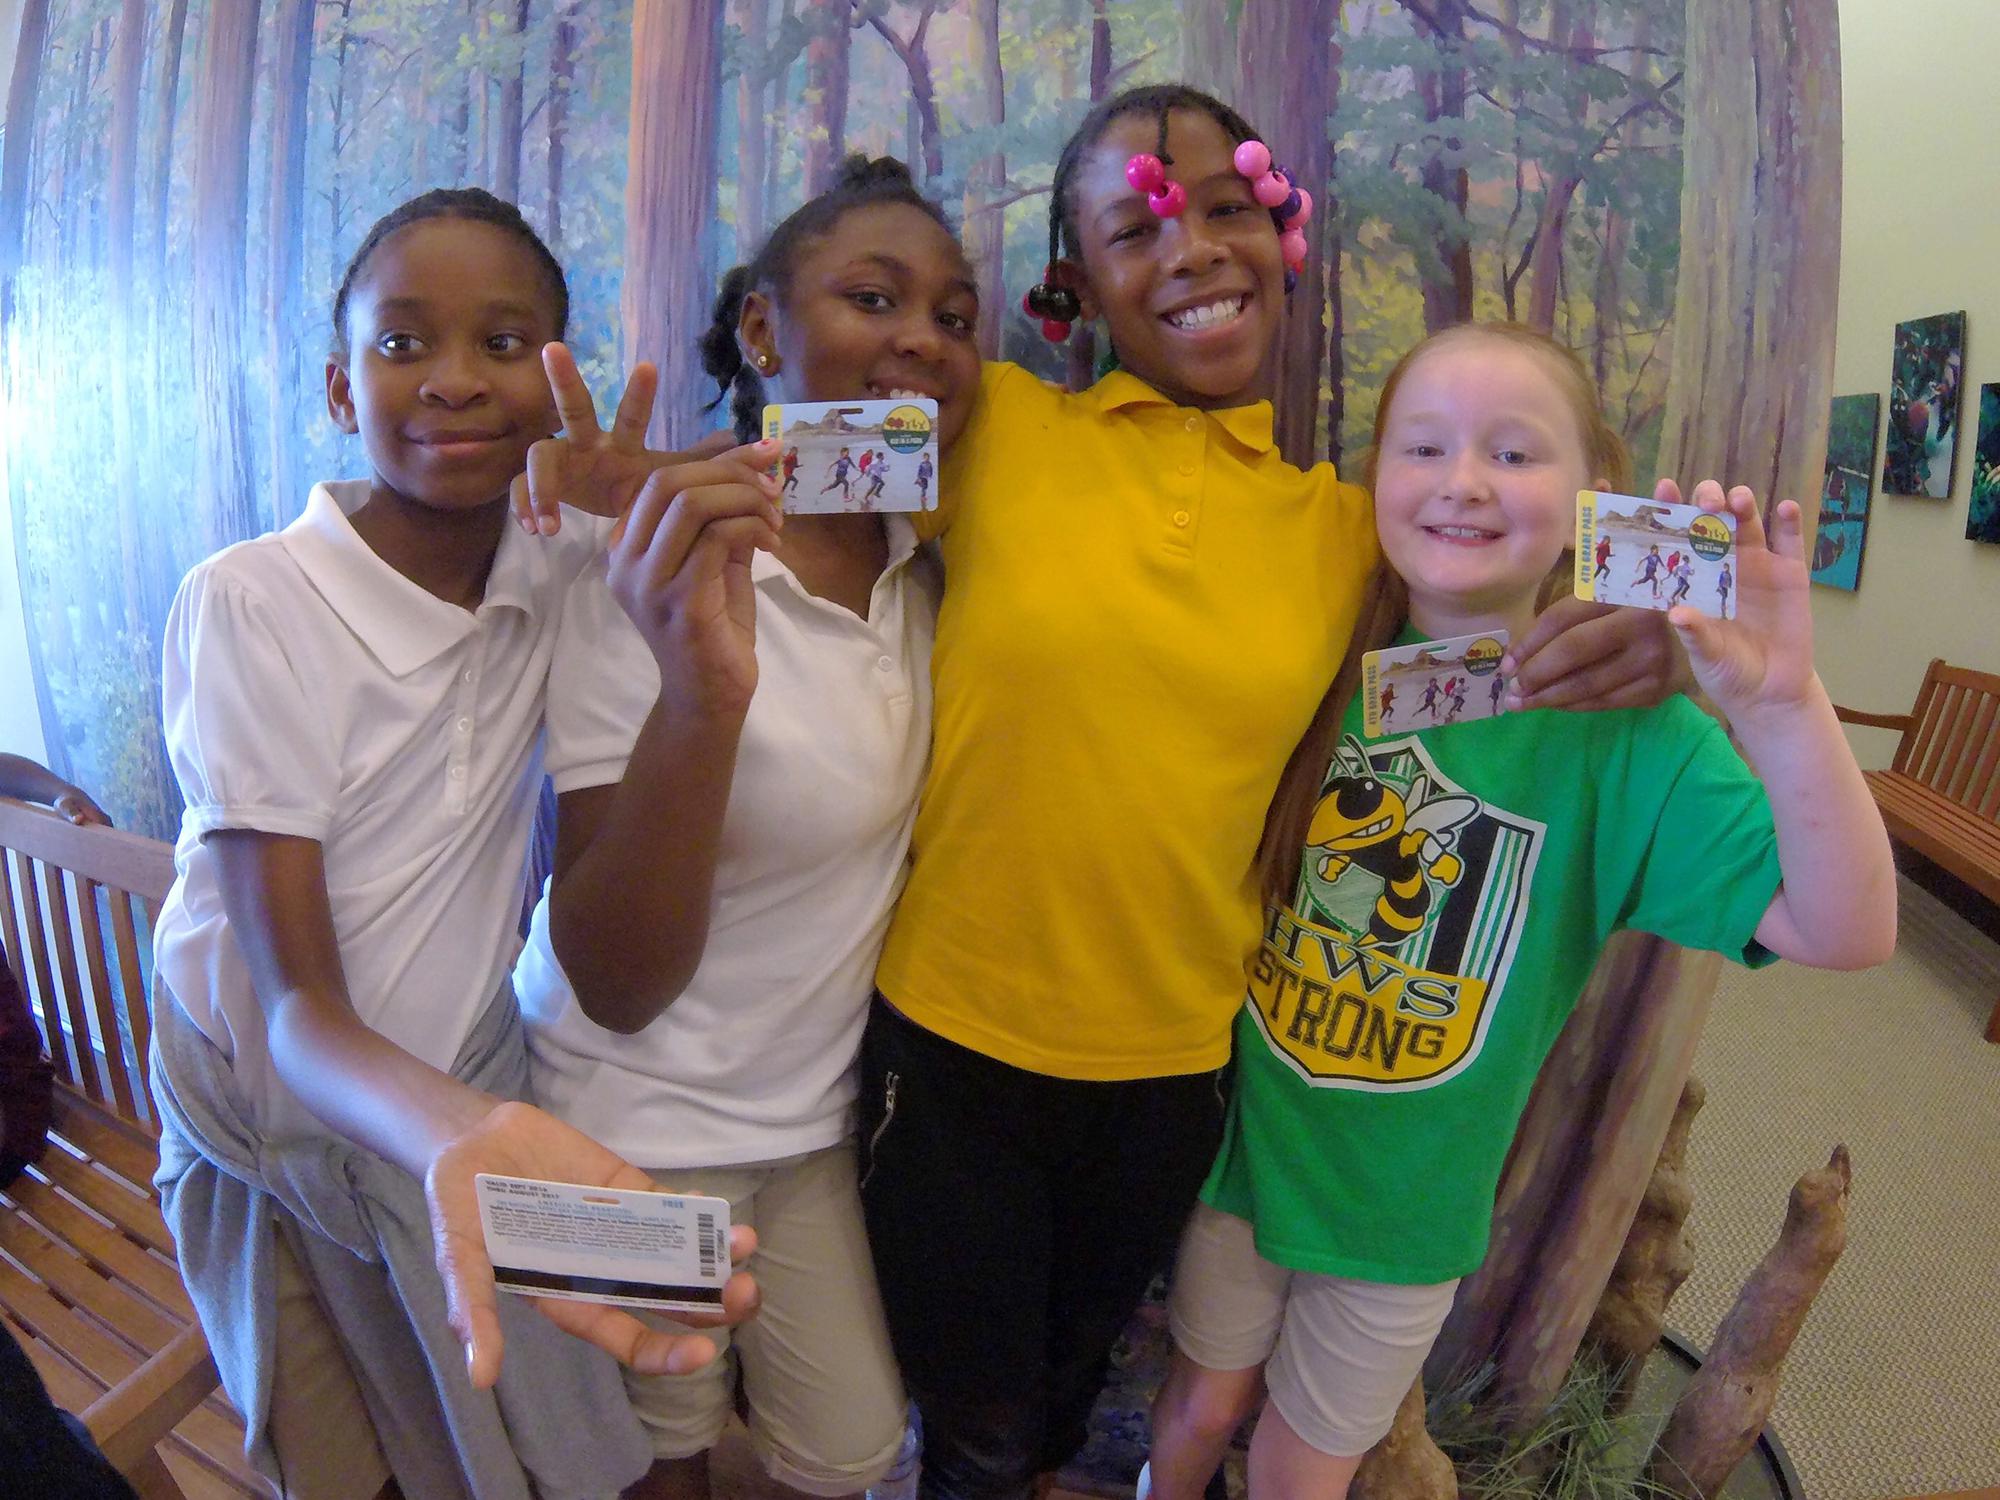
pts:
[1054, 303]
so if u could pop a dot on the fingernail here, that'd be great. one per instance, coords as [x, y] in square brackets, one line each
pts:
[547, 525]
[1508, 666]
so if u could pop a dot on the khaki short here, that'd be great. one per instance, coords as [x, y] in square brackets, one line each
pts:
[826, 1403]
[319, 1425]
[1341, 1353]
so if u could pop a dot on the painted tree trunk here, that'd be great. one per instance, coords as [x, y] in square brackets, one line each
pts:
[1747, 402]
[670, 203]
[1208, 55]
[986, 178]
[751, 132]
[1446, 272]
[1545, 263]
[826, 85]
[506, 153]
[781, 104]
[16, 152]
[165, 99]
[284, 242]
[128, 63]
[914, 54]
[1284, 56]
[223, 95]
[562, 78]
[1080, 355]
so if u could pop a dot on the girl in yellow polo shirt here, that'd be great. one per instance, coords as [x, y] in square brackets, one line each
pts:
[1144, 603]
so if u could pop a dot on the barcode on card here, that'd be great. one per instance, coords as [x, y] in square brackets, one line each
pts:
[708, 1242]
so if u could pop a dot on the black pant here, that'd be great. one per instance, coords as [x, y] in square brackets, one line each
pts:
[1015, 1220]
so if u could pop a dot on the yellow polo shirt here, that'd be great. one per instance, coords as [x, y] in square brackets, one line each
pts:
[1144, 604]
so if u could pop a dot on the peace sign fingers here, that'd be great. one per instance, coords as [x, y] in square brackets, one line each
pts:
[635, 407]
[573, 404]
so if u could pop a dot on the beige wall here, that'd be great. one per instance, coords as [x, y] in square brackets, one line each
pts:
[1920, 210]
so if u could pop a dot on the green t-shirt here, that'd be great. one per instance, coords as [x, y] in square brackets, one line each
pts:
[1399, 1010]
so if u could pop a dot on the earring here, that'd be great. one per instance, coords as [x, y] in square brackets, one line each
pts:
[763, 361]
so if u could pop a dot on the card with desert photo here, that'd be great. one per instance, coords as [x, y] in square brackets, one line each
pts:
[856, 456]
[1651, 555]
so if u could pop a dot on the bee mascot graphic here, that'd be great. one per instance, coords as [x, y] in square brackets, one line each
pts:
[1405, 921]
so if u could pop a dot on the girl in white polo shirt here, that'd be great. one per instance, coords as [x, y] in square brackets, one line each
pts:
[738, 780]
[354, 707]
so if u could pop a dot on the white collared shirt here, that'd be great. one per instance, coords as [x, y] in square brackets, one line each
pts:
[755, 1059]
[311, 689]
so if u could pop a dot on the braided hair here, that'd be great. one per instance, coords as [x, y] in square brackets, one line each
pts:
[472, 203]
[861, 183]
[1052, 299]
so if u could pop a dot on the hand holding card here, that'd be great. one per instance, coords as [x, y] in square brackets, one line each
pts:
[518, 1139]
[1761, 656]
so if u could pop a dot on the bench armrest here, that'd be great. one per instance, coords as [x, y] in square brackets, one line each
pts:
[1899, 722]
[131, 1418]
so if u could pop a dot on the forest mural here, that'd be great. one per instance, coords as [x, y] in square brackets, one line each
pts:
[182, 182]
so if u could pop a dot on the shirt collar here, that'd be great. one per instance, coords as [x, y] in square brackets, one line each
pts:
[1249, 425]
[403, 625]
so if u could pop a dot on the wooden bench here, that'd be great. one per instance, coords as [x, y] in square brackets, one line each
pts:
[1941, 794]
[88, 1280]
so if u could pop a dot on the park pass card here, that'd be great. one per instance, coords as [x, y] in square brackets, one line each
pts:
[1433, 682]
[1645, 553]
[855, 456]
[592, 1244]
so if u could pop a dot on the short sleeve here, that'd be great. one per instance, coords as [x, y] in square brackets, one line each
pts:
[603, 683]
[1710, 868]
[250, 745]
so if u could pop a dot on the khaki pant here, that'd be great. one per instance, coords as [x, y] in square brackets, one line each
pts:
[826, 1404]
[326, 1444]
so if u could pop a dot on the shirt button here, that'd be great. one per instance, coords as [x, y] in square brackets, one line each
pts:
[458, 773]
[1194, 424]
[1187, 470]
[466, 675]
[1181, 518]
[884, 663]
[465, 726]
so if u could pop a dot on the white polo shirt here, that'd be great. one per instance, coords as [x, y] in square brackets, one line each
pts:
[755, 1059]
[310, 689]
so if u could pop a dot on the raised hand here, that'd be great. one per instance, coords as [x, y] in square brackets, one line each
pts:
[1763, 658]
[594, 468]
[680, 569]
[518, 1140]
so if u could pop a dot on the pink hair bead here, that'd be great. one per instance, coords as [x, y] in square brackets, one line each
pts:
[1270, 190]
[1305, 207]
[1253, 159]
[1169, 201]
[1146, 173]
[1292, 246]
[1054, 330]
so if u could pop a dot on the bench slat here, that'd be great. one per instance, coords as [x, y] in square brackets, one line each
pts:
[1969, 735]
[42, 991]
[72, 1280]
[135, 1214]
[137, 1016]
[89, 1063]
[29, 1304]
[103, 1002]
[124, 1147]
[123, 1261]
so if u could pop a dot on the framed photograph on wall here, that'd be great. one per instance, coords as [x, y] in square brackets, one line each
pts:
[1846, 491]
[1925, 387]
[1982, 517]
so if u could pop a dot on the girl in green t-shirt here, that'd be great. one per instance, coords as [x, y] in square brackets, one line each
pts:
[1396, 1019]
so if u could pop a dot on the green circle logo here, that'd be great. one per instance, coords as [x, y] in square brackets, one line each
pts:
[906, 428]
[1708, 536]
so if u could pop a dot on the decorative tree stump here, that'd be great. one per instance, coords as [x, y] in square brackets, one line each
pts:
[1406, 1465]
[1722, 1412]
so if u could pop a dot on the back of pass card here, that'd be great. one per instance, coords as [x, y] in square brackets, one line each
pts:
[593, 1244]
[1651, 555]
[1420, 686]
[856, 456]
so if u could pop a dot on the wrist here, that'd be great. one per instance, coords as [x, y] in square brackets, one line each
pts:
[1780, 714]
